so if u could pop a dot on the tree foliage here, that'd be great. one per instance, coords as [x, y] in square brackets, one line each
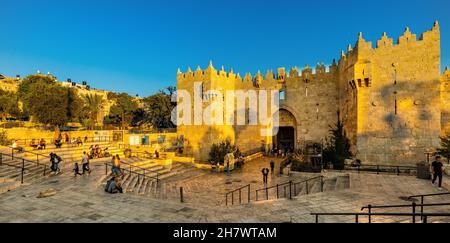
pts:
[123, 110]
[92, 105]
[218, 152]
[158, 108]
[337, 149]
[9, 104]
[444, 150]
[48, 102]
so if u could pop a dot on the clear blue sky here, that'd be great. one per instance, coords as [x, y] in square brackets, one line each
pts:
[137, 46]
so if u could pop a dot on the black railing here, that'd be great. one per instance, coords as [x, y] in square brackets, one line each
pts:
[51, 141]
[423, 196]
[22, 166]
[357, 216]
[413, 207]
[239, 190]
[393, 169]
[288, 189]
[132, 169]
[15, 152]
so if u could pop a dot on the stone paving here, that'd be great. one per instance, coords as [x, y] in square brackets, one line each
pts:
[82, 200]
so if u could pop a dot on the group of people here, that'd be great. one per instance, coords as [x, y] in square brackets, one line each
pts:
[41, 144]
[280, 153]
[95, 152]
[85, 165]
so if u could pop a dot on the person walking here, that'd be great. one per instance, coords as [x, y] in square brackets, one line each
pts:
[116, 166]
[76, 170]
[272, 167]
[265, 173]
[85, 163]
[436, 169]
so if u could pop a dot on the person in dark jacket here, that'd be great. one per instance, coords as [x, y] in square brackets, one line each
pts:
[265, 173]
[436, 169]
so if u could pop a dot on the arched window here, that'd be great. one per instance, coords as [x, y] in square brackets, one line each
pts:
[282, 95]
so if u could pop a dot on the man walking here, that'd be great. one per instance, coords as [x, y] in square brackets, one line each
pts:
[272, 167]
[85, 162]
[265, 173]
[436, 168]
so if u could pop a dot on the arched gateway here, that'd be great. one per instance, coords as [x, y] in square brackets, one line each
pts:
[286, 138]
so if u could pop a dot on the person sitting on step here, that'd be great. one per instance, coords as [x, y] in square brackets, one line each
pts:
[113, 185]
[16, 147]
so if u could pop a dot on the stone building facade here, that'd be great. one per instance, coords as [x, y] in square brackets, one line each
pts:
[392, 99]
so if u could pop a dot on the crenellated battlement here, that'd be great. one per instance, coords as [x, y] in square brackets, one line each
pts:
[385, 42]
[258, 79]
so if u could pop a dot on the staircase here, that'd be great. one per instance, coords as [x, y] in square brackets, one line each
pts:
[290, 189]
[36, 163]
[136, 183]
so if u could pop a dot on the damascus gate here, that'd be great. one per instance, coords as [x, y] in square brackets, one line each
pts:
[390, 96]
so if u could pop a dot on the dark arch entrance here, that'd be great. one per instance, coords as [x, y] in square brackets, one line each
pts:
[286, 138]
[287, 131]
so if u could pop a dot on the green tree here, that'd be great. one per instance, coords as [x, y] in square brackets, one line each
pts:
[159, 108]
[9, 104]
[122, 112]
[444, 150]
[338, 146]
[48, 102]
[92, 106]
[218, 152]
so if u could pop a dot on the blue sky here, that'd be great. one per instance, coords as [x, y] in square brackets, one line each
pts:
[137, 46]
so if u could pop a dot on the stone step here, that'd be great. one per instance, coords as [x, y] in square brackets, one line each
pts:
[342, 182]
[7, 186]
[329, 184]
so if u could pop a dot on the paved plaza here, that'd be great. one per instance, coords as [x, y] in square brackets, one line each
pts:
[83, 200]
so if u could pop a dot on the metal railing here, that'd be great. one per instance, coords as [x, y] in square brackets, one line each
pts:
[423, 196]
[357, 216]
[132, 169]
[25, 152]
[395, 169]
[413, 207]
[22, 167]
[287, 188]
[51, 141]
[240, 195]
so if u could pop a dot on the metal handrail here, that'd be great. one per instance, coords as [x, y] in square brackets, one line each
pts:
[240, 195]
[429, 195]
[137, 168]
[423, 196]
[290, 184]
[52, 140]
[412, 206]
[379, 168]
[23, 168]
[424, 216]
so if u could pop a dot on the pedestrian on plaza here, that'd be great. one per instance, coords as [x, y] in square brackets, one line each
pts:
[85, 163]
[67, 138]
[116, 166]
[272, 167]
[265, 173]
[76, 170]
[55, 160]
[436, 169]
[156, 154]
